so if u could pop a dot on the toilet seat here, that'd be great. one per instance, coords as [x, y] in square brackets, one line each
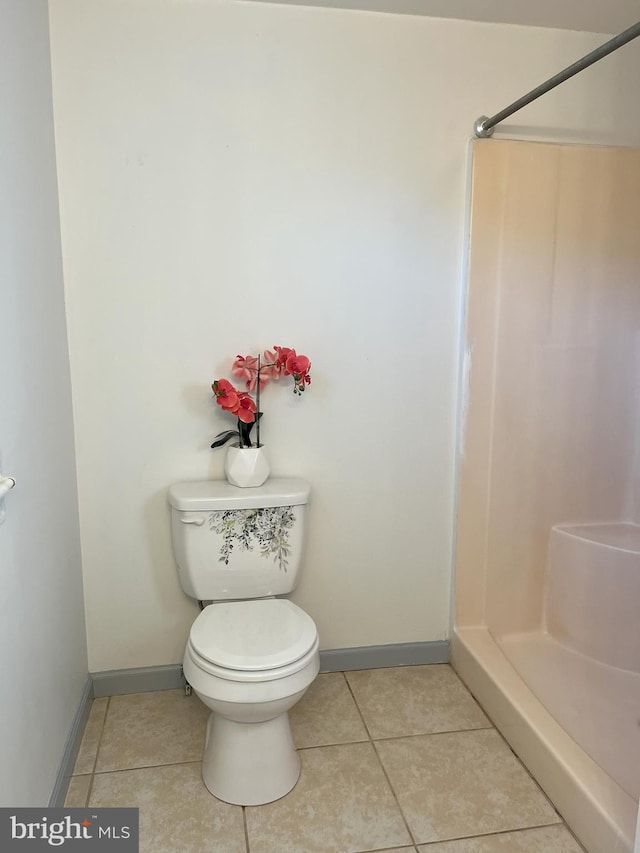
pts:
[254, 640]
[259, 676]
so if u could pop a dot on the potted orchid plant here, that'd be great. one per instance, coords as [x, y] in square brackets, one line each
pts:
[251, 468]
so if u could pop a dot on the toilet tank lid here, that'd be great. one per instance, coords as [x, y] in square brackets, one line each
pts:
[216, 495]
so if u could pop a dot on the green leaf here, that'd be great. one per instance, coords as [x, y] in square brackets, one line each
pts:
[224, 437]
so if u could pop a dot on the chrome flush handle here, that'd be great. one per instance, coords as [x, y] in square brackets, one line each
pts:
[6, 483]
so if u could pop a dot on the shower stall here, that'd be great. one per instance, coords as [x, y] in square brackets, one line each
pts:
[547, 619]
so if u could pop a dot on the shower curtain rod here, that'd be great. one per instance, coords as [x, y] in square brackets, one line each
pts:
[484, 125]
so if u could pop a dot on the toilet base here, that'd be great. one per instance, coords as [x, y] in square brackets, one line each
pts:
[249, 764]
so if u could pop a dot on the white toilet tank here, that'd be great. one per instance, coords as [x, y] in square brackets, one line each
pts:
[238, 543]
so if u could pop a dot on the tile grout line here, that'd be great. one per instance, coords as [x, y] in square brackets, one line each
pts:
[395, 797]
[246, 828]
[98, 745]
[102, 727]
[499, 832]
[148, 767]
[374, 739]
[383, 768]
[432, 734]
[360, 714]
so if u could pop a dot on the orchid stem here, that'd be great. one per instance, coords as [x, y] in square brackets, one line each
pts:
[258, 405]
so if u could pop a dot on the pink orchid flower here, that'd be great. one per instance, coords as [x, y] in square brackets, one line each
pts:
[226, 395]
[283, 354]
[246, 409]
[246, 367]
[298, 366]
[270, 367]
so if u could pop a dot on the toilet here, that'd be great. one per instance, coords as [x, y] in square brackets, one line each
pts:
[251, 654]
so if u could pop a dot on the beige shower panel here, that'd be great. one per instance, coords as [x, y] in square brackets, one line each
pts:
[552, 338]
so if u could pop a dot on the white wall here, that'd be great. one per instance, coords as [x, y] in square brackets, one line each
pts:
[235, 176]
[42, 635]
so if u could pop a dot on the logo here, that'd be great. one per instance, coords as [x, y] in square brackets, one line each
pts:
[32, 830]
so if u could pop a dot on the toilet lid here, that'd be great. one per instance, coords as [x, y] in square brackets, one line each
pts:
[253, 635]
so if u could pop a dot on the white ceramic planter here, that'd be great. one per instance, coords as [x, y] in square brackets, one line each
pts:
[246, 467]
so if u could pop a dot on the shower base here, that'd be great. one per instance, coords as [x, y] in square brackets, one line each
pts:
[568, 683]
[597, 808]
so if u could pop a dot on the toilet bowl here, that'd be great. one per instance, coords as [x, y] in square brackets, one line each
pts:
[251, 654]
[249, 662]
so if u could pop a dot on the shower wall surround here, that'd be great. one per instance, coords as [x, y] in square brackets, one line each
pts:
[550, 439]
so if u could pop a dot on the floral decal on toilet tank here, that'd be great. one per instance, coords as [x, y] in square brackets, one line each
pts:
[245, 529]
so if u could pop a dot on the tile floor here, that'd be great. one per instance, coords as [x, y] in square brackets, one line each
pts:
[400, 760]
